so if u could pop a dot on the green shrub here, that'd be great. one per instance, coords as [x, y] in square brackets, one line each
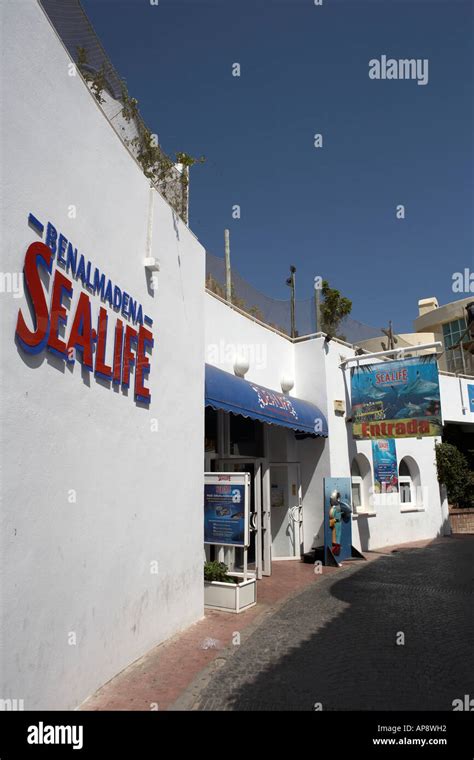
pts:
[454, 472]
[217, 571]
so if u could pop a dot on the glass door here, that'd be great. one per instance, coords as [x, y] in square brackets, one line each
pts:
[259, 554]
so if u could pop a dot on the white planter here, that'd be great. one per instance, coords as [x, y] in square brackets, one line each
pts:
[230, 597]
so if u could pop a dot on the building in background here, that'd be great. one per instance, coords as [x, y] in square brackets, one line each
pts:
[446, 324]
[403, 340]
[449, 325]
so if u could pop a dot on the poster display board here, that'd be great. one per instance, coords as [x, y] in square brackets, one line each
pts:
[226, 508]
[384, 454]
[398, 399]
[470, 391]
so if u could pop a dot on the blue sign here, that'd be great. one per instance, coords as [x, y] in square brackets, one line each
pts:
[399, 399]
[234, 394]
[225, 512]
[384, 454]
[337, 518]
[470, 391]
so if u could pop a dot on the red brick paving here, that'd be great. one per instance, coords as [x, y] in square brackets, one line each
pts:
[165, 672]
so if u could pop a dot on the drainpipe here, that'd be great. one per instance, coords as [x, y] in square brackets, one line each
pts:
[463, 406]
[149, 231]
[150, 263]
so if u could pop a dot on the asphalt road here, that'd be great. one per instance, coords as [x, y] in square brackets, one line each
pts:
[335, 644]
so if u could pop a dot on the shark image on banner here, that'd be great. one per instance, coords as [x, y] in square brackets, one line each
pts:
[396, 399]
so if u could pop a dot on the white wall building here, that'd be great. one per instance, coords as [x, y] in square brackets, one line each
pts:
[101, 527]
[102, 493]
[314, 367]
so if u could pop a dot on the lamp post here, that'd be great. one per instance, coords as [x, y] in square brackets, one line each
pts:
[317, 303]
[291, 283]
[228, 276]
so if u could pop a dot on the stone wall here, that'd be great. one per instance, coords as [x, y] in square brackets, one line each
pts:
[462, 520]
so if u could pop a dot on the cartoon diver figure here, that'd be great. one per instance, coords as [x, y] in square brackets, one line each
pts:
[339, 511]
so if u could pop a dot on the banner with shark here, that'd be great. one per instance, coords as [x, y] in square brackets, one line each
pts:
[398, 399]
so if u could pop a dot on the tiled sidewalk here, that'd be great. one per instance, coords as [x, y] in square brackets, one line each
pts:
[168, 669]
[160, 678]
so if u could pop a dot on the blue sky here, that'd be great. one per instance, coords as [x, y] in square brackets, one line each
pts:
[304, 70]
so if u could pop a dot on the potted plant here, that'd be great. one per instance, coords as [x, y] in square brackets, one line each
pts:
[227, 591]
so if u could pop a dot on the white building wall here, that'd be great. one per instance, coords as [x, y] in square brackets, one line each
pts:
[272, 357]
[387, 521]
[79, 600]
[319, 379]
[387, 524]
[230, 334]
[455, 399]
[84, 569]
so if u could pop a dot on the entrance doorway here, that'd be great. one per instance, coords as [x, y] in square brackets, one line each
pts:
[259, 554]
[286, 510]
[238, 444]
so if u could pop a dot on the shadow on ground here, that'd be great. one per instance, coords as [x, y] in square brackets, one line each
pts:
[336, 643]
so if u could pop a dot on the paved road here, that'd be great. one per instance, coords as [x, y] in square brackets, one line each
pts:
[336, 643]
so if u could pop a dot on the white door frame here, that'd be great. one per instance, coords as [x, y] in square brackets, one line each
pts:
[262, 490]
[299, 506]
[266, 519]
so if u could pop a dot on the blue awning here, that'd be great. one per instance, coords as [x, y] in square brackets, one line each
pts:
[234, 394]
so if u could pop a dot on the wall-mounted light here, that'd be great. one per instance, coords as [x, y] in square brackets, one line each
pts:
[152, 264]
[241, 366]
[287, 383]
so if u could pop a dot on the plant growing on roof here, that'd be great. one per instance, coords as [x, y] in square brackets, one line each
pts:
[97, 79]
[187, 161]
[156, 165]
[81, 58]
[333, 309]
[214, 286]
[254, 311]
[129, 105]
[98, 84]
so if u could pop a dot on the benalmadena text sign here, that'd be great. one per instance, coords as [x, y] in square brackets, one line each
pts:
[88, 337]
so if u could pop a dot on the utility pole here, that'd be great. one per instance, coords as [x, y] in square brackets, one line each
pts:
[228, 278]
[392, 339]
[291, 283]
[317, 305]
